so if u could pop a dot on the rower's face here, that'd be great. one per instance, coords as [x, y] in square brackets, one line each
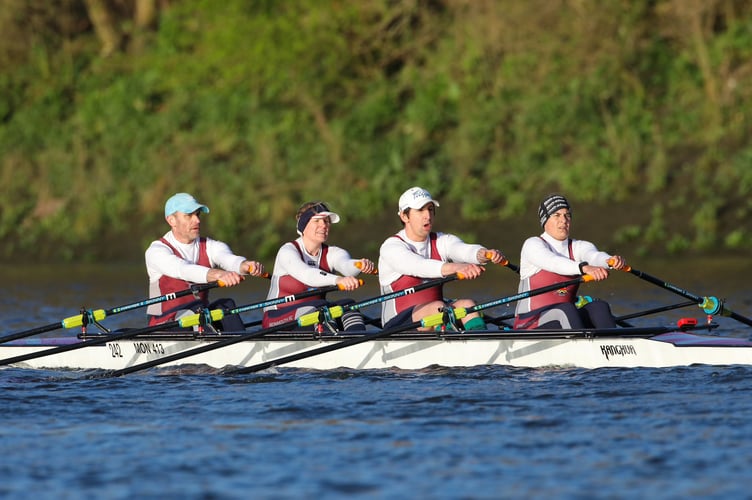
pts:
[419, 222]
[185, 227]
[317, 229]
[558, 224]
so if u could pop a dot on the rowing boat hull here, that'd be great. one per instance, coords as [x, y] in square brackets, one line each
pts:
[410, 351]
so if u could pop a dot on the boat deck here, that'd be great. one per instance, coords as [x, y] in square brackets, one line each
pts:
[697, 337]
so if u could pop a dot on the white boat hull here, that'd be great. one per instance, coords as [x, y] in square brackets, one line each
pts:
[409, 352]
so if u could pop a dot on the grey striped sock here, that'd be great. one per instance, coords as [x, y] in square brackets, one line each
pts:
[353, 321]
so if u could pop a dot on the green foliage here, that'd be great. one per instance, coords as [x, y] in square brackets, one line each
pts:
[259, 106]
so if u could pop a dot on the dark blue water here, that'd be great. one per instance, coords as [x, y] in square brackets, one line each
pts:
[484, 432]
[481, 432]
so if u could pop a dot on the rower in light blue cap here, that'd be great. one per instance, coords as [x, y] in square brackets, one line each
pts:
[182, 257]
[185, 203]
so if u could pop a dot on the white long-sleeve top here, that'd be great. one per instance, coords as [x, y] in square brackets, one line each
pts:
[161, 260]
[546, 253]
[404, 257]
[553, 255]
[307, 269]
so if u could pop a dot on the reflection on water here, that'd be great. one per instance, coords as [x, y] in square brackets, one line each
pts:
[37, 295]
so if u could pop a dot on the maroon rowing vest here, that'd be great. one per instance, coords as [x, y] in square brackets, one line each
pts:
[289, 285]
[168, 284]
[404, 282]
[546, 278]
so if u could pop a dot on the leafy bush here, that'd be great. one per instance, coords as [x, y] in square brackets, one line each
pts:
[257, 107]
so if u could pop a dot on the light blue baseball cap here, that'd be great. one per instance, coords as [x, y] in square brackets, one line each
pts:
[185, 203]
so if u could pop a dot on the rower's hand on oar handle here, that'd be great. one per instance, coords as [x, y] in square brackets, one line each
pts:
[595, 273]
[366, 266]
[618, 262]
[226, 278]
[601, 273]
[497, 257]
[463, 271]
[254, 269]
[486, 255]
[348, 283]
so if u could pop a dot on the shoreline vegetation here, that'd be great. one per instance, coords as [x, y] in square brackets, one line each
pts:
[639, 112]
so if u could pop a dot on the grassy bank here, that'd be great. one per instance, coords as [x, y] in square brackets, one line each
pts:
[638, 111]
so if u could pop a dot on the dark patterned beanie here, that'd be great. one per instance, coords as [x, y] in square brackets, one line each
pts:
[550, 205]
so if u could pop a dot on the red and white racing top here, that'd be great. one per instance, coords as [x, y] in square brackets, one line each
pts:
[399, 256]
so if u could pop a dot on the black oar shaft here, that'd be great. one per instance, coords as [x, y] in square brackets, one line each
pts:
[529, 293]
[163, 298]
[200, 350]
[32, 332]
[241, 338]
[739, 318]
[427, 321]
[668, 286]
[327, 348]
[91, 342]
[655, 310]
[686, 294]
[625, 317]
[74, 321]
[141, 331]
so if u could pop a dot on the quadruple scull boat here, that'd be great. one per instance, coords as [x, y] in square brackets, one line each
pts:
[621, 347]
[408, 347]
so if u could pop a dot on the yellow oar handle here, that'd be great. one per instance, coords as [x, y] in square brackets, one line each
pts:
[438, 318]
[313, 318]
[587, 277]
[78, 320]
[433, 320]
[195, 319]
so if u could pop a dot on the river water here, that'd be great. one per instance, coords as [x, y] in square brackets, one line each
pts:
[480, 432]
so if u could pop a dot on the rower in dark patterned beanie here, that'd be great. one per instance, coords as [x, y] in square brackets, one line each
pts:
[550, 205]
[555, 257]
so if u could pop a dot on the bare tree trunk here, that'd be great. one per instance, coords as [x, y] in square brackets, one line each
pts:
[104, 26]
[144, 21]
[145, 16]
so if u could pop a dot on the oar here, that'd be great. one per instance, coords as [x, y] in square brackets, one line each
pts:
[184, 322]
[499, 320]
[655, 310]
[305, 320]
[359, 265]
[427, 322]
[505, 262]
[90, 316]
[711, 305]
[511, 266]
[622, 320]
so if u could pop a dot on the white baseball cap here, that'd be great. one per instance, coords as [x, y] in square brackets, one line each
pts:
[415, 197]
